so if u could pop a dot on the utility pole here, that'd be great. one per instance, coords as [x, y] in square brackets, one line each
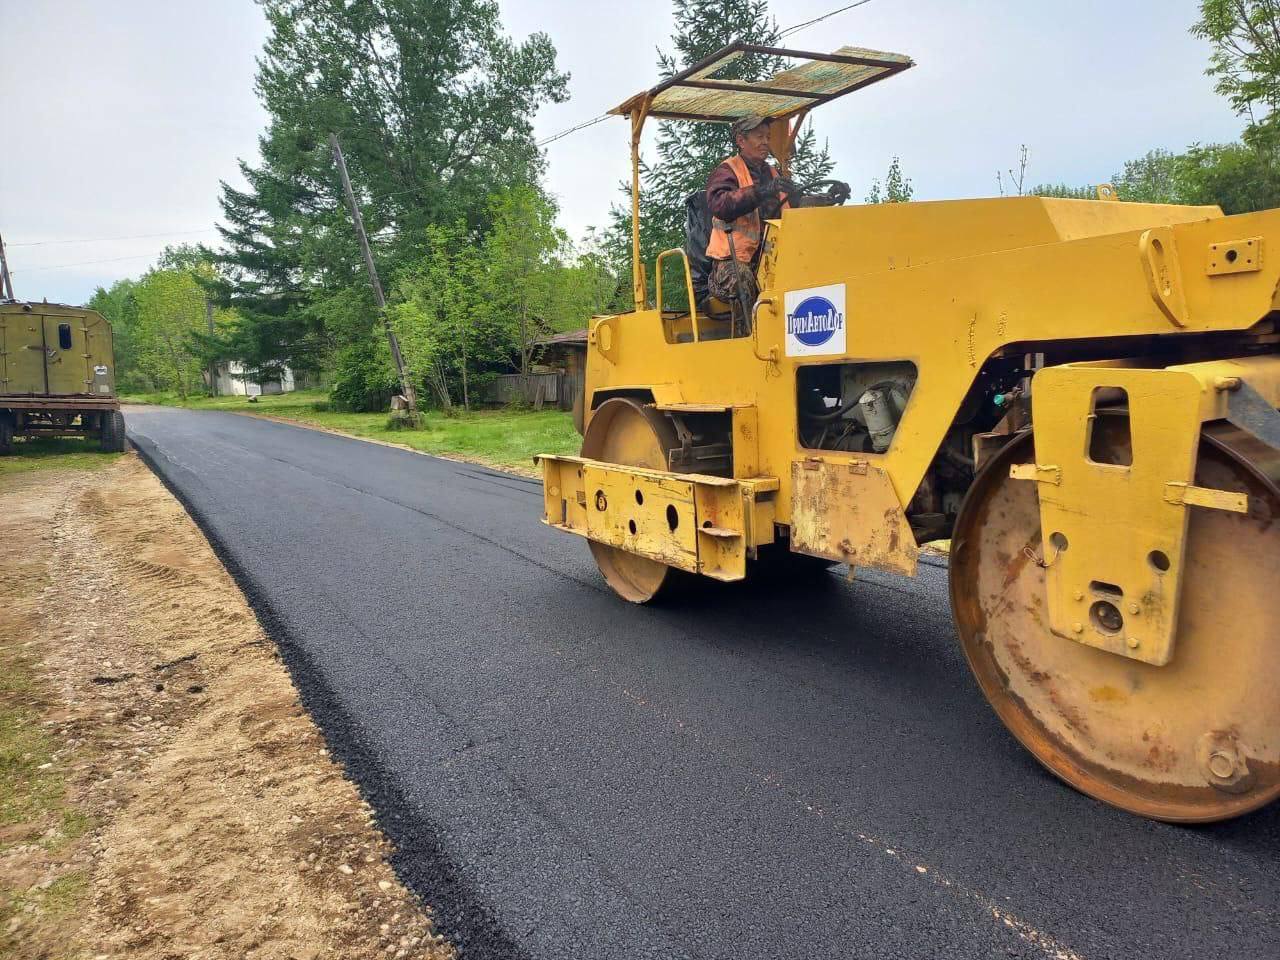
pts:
[213, 364]
[406, 384]
[6, 282]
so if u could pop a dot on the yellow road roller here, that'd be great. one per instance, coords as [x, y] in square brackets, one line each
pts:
[1080, 395]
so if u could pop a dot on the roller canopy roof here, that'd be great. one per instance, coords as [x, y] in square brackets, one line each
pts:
[698, 94]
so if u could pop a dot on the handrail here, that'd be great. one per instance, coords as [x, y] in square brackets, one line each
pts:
[688, 281]
[772, 357]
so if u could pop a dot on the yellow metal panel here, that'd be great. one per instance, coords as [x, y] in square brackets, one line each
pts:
[701, 524]
[1134, 548]
[721, 531]
[606, 337]
[564, 496]
[1164, 273]
[1216, 378]
[746, 442]
[1234, 256]
[849, 512]
[1193, 496]
[651, 516]
[1078, 219]
[1130, 555]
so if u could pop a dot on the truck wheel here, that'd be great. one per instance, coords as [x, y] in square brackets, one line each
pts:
[112, 431]
[6, 432]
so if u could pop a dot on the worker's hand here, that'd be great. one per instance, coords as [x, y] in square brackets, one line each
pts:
[839, 192]
[835, 193]
[784, 185]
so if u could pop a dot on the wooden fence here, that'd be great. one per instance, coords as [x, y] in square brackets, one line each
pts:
[536, 389]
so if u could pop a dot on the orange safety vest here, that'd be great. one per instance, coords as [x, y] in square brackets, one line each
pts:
[746, 229]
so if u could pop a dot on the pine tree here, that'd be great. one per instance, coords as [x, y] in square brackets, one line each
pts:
[687, 152]
[433, 104]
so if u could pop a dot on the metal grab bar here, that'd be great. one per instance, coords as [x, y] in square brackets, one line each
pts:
[688, 282]
[772, 357]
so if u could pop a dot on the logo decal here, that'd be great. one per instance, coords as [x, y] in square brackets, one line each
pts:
[815, 321]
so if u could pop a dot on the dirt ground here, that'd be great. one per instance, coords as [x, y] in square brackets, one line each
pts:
[165, 793]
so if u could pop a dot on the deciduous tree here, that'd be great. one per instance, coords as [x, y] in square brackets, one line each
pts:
[170, 319]
[433, 104]
[523, 264]
[1245, 62]
[896, 189]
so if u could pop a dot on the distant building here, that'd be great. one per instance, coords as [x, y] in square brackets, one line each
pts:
[556, 379]
[567, 354]
[232, 382]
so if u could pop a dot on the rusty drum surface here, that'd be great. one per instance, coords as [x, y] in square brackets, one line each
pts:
[1196, 740]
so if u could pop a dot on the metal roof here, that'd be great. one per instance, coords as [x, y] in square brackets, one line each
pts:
[571, 337]
[697, 94]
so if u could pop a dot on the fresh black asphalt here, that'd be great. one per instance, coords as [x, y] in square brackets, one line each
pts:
[750, 773]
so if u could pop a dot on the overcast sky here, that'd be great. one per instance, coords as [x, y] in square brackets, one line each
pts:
[121, 118]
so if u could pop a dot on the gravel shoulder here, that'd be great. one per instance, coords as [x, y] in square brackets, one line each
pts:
[165, 792]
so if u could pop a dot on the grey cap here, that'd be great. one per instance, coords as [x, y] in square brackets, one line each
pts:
[745, 124]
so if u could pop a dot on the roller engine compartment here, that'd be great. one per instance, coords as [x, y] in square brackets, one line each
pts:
[858, 408]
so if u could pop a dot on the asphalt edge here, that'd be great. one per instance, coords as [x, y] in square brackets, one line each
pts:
[508, 471]
[418, 857]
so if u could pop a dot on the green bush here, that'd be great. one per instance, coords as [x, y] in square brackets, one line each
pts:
[363, 381]
[400, 421]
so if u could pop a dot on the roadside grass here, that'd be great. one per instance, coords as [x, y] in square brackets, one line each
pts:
[29, 791]
[33, 802]
[32, 792]
[44, 453]
[506, 438]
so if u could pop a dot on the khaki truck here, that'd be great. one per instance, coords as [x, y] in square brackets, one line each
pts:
[57, 375]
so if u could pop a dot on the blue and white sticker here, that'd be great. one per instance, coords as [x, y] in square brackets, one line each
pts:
[815, 321]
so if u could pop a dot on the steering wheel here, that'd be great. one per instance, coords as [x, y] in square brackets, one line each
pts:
[835, 192]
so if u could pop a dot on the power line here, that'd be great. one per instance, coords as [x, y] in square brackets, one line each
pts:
[86, 263]
[565, 133]
[134, 236]
[810, 23]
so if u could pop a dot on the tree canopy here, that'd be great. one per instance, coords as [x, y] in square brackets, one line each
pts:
[433, 104]
[1245, 63]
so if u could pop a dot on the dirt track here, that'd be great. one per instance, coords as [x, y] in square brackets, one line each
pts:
[214, 823]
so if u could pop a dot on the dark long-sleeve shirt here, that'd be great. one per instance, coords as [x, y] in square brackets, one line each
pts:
[728, 201]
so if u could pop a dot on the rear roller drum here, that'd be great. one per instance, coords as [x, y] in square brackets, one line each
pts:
[625, 432]
[1196, 740]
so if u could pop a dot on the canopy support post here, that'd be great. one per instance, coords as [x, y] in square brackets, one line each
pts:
[638, 284]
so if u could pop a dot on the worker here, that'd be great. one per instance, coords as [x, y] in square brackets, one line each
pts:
[743, 192]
